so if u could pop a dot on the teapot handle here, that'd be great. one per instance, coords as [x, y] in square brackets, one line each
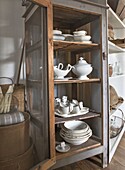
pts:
[69, 67]
[60, 66]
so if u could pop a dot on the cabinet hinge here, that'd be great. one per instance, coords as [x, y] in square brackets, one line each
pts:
[104, 56]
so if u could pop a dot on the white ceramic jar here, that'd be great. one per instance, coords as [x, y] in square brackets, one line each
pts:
[81, 69]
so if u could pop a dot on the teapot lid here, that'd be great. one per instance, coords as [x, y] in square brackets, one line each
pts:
[81, 61]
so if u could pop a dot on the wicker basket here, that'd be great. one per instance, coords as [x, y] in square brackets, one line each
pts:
[19, 91]
[116, 124]
[24, 161]
[14, 139]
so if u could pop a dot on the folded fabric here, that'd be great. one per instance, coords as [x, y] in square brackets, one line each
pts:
[12, 118]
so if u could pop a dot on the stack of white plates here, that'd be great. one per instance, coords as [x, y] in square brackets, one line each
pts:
[75, 132]
[81, 36]
[57, 35]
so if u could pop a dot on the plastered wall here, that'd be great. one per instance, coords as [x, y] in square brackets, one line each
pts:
[11, 36]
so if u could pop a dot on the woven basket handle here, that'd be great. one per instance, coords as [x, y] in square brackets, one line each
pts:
[5, 79]
[123, 117]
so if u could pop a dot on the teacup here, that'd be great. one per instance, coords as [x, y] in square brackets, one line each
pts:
[76, 109]
[81, 105]
[63, 110]
[64, 99]
[75, 102]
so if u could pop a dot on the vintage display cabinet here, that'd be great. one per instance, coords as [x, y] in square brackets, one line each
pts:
[43, 52]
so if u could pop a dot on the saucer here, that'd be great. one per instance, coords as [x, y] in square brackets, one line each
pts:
[66, 148]
[83, 111]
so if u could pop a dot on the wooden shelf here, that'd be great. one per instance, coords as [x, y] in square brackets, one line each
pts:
[90, 144]
[114, 48]
[76, 81]
[73, 46]
[83, 117]
[117, 76]
[114, 20]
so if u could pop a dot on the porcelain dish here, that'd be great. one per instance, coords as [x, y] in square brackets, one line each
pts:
[65, 149]
[58, 37]
[82, 32]
[75, 126]
[59, 72]
[81, 69]
[57, 32]
[75, 132]
[81, 112]
[82, 37]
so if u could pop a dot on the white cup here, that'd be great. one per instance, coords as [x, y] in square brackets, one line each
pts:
[63, 110]
[81, 105]
[76, 109]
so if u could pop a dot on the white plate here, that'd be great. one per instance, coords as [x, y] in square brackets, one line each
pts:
[66, 148]
[78, 136]
[82, 112]
[82, 38]
[76, 141]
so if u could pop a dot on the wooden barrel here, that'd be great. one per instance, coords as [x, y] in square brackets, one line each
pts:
[14, 139]
[24, 161]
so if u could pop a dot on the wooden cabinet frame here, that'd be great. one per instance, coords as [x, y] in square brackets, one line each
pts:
[95, 15]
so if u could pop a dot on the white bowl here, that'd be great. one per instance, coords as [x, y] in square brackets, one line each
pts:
[82, 72]
[82, 32]
[82, 37]
[58, 37]
[88, 133]
[75, 126]
[75, 141]
[57, 32]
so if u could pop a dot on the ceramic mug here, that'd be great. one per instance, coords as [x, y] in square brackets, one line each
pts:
[64, 109]
[76, 109]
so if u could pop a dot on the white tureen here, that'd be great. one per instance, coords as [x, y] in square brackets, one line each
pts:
[81, 69]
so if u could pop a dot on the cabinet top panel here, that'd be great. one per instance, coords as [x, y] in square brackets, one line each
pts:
[68, 18]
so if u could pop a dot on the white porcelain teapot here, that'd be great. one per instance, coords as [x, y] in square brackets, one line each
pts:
[81, 69]
[59, 72]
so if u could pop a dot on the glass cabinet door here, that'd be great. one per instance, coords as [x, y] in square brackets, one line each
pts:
[39, 80]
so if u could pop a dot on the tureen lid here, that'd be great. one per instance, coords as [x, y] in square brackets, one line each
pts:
[81, 61]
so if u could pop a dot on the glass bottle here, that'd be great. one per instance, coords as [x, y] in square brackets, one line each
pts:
[116, 68]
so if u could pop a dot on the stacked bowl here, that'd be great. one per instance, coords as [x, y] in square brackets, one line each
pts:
[75, 132]
[81, 36]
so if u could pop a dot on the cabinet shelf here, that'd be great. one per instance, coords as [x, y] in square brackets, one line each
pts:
[114, 20]
[114, 48]
[89, 115]
[76, 81]
[117, 76]
[74, 46]
[90, 144]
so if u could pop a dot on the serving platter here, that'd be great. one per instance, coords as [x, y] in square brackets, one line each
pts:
[83, 111]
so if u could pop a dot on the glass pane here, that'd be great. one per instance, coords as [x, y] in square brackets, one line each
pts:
[37, 86]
